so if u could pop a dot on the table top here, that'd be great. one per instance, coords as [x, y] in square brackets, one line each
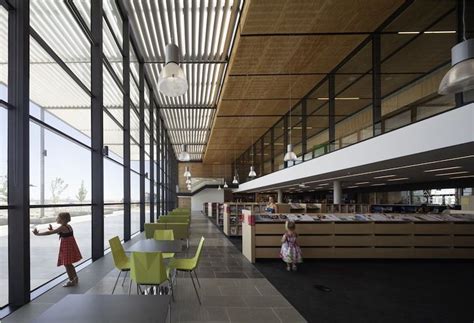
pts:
[88, 308]
[152, 245]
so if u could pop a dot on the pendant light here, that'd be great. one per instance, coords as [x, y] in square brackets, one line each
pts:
[184, 156]
[252, 172]
[225, 169]
[172, 81]
[188, 180]
[290, 155]
[187, 173]
[460, 77]
[235, 181]
[219, 188]
[189, 187]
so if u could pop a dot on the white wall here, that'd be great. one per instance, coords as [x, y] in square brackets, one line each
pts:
[206, 195]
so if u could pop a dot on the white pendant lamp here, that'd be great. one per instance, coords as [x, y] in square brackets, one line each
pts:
[188, 181]
[219, 188]
[184, 156]
[225, 185]
[290, 155]
[189, 187]
[235, 181]
[187, 173]
[252, 172]
[460, 77]
[172, 81]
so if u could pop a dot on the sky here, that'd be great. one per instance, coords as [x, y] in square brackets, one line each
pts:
[65, 159]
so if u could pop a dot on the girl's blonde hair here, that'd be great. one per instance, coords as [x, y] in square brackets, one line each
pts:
[290, 225]
[65, 216]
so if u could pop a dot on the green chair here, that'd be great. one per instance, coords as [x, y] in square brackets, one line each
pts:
[173, 219]
[147, 268]
[165, 235]
[180, 231]
[121, 261]
[150, 229]
[189, 265]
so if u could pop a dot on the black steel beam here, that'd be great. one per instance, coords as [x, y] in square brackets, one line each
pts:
[97, 131]
[152, 158]
[127, 224]
[157, 147]
[141, 90]
[58, 60]
[285, 136]
[18, 154]
[376, 86]
[332, 111]
[304, 121]
[272, 147]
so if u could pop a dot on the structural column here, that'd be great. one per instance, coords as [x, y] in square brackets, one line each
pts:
[332, 113]
[97, 131]
[279, 196]
[152, 159]
[337, 192]
[18, 154]
[376, 86]
[141, 76]
[126, 132]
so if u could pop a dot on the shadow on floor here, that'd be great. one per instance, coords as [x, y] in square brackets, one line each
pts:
[377, 290]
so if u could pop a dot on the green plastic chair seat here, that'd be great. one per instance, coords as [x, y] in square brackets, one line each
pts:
[187, 264]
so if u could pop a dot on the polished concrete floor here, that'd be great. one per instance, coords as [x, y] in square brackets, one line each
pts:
[232, 289]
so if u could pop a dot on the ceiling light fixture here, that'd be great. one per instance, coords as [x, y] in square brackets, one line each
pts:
[290, 154]
[252, 172]
[184, 156]
[362, 183]
[353, 186]
[464, 176]
[453, 173]
[397, 179]
[384, 176]
[172, 81]
[378, 184]
[188, 181]
[441, 169]
[187, 173]
[235, 181]
[460, 77]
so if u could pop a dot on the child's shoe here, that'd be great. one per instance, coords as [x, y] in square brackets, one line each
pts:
[293, 267]
[288, 268]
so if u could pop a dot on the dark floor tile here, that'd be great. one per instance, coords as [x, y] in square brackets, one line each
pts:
[230, 275]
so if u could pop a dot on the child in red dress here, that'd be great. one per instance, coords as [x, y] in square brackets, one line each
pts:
[68, 250]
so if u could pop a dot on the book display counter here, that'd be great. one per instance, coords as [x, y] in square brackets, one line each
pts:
[215, 211]
[233, 216]
[369, 235]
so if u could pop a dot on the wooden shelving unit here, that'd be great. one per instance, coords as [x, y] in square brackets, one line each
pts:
[233, 216]
[365, 239]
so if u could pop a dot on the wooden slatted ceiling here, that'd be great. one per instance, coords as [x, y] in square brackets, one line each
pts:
[245, 94]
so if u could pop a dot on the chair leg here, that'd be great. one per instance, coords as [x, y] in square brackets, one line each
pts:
[195, 289]
[172, 290]
[195, 274]
[130, 287]
[116, 281]
[125, 276]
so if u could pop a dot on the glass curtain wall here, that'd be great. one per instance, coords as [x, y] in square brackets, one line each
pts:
[60, 134]
[393, 73]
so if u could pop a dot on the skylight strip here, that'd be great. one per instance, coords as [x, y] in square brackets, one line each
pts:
[159, 29]
[140, 33]
[179, 18]
[187, 26]
[145, 21]
[159, 52]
